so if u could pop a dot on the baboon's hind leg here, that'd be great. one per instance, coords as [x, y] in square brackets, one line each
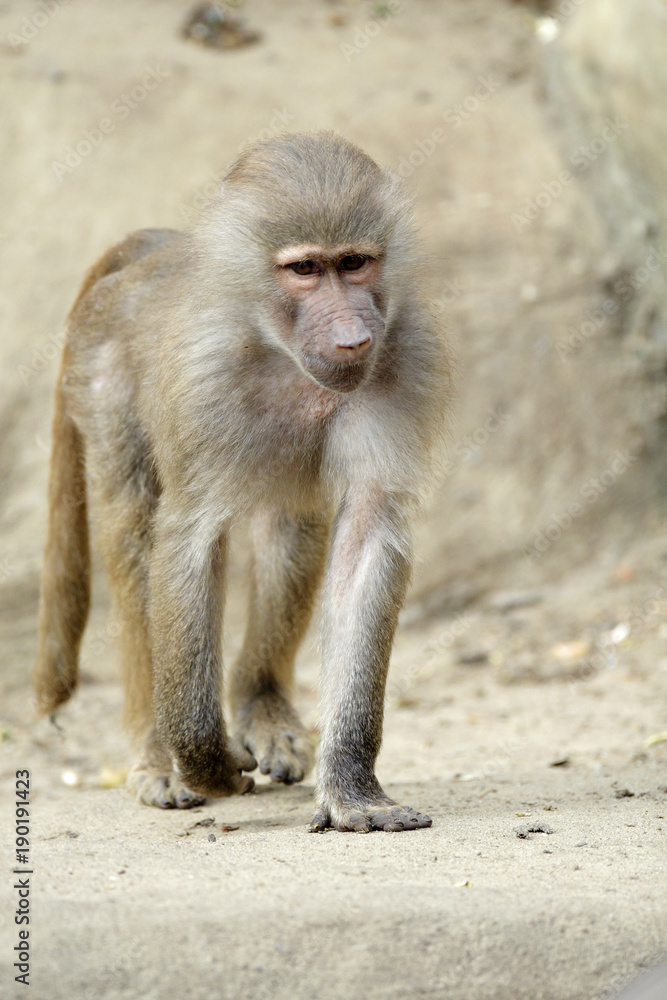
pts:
[125, 516]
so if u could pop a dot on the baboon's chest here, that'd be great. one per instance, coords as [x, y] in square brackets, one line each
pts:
[296, 416]
[288, 437]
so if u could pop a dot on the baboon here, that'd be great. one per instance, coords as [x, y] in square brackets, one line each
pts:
[273, 363]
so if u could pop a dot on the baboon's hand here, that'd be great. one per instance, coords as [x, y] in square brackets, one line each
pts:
[269, 728]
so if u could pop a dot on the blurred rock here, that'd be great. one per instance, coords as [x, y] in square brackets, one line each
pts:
[216, 28]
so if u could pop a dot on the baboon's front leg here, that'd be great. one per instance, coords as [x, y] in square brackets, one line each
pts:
[186, 618]
[288, 556]
[367, 577]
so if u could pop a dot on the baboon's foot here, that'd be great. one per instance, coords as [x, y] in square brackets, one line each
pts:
[272, 731]
[217, 773]
[165, 791]
[362, 817]
[157, 781]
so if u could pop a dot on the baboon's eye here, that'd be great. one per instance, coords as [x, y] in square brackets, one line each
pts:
[304, 267]
[353, 262]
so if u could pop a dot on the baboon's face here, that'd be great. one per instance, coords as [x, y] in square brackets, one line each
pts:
[332, 318]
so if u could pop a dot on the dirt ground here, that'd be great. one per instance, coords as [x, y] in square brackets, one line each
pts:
[528, 686]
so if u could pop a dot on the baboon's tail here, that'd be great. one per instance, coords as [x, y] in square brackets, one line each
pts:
[65, 589]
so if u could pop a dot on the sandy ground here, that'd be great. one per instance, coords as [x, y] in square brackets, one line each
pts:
[493, 725]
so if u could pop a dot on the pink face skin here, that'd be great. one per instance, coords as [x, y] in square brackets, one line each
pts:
[335, 322]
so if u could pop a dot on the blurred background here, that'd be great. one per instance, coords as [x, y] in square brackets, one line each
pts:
[533, 137]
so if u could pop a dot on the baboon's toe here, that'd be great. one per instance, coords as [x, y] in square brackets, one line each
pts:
[243, 757]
